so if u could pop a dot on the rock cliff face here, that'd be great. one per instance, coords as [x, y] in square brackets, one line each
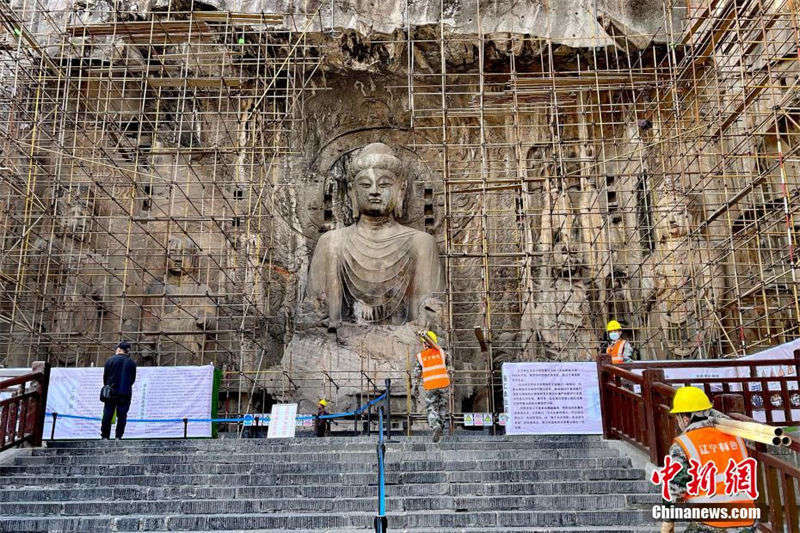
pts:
[179, 179]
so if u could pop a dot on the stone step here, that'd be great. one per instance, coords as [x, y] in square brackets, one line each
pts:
[311, 446]
[303, 445]
[459, 437]
[469, 482]
[583, 529]
[441, 476]
[268, 467]
[332, 505]
[607, 520]
[139, 493]
[392, 455]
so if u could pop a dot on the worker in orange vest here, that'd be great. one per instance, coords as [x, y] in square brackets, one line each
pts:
[432, 368]
[620, 350]
[704, 443]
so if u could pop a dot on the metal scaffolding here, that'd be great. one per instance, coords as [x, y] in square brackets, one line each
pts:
[149, 163]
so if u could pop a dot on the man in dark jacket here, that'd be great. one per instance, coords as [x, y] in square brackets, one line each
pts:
[119, 374]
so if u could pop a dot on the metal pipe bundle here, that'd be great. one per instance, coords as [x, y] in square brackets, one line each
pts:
[750, 431]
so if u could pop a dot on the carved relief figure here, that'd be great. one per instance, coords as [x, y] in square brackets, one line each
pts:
[83, 302]
[681, 276]
[189, 311]
[74, 209]
[377, 270]
[373, 283]
[563, 305]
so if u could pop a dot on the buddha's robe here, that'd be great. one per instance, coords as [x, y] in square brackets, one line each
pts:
[381, 276]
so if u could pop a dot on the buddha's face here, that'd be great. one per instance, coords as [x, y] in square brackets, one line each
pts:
[377, 192]
[181, 256]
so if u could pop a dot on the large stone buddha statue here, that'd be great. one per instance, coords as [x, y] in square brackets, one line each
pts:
[373, 283]
[376, 270]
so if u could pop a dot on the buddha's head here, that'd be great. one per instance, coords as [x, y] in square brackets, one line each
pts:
[679, 213]
[75, 210]
[377, 187]
[182, 256]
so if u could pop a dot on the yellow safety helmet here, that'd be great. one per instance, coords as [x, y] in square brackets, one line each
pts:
[613, 326]
[323, 403]
[690, 400]
[432, 336]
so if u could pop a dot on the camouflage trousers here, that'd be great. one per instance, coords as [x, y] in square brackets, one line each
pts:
[436, 407]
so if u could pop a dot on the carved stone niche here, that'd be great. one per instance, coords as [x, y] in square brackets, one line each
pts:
[185, 317]
[372, 282]
[75, 207]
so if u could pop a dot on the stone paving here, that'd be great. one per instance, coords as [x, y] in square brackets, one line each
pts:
[469, 482]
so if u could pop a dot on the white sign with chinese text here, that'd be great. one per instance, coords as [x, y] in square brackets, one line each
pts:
[282, 421]
[551, 398]
[160, 393]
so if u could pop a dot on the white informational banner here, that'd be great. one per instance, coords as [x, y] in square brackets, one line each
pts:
[694, 372]
[548, 398]
[282, 421]
[163, 392]
[783, 351]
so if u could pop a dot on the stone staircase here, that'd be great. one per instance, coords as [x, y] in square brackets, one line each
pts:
[468, 482]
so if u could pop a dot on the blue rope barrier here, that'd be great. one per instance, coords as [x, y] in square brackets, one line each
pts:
[150, 420]
[240, 419]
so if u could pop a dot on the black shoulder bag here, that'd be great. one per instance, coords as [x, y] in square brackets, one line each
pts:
[105, 393]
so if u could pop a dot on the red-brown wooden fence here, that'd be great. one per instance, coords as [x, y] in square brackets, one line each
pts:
[635, 408]
[22, 414]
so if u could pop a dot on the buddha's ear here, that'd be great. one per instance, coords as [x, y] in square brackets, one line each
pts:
[354, 203]
[401, 199]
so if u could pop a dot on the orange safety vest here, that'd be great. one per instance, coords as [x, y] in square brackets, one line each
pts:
[434, 369]
[615, 351]
[710, 444]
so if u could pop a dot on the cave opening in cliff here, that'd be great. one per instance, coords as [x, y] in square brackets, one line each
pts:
[167, 171]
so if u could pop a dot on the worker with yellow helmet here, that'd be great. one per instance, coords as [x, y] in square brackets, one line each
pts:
[701, 441]
[322, 426]
[620, 350]
[432, 366]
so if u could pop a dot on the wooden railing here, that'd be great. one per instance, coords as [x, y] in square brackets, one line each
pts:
[766, 393]
[635, 409]
[22, 412]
